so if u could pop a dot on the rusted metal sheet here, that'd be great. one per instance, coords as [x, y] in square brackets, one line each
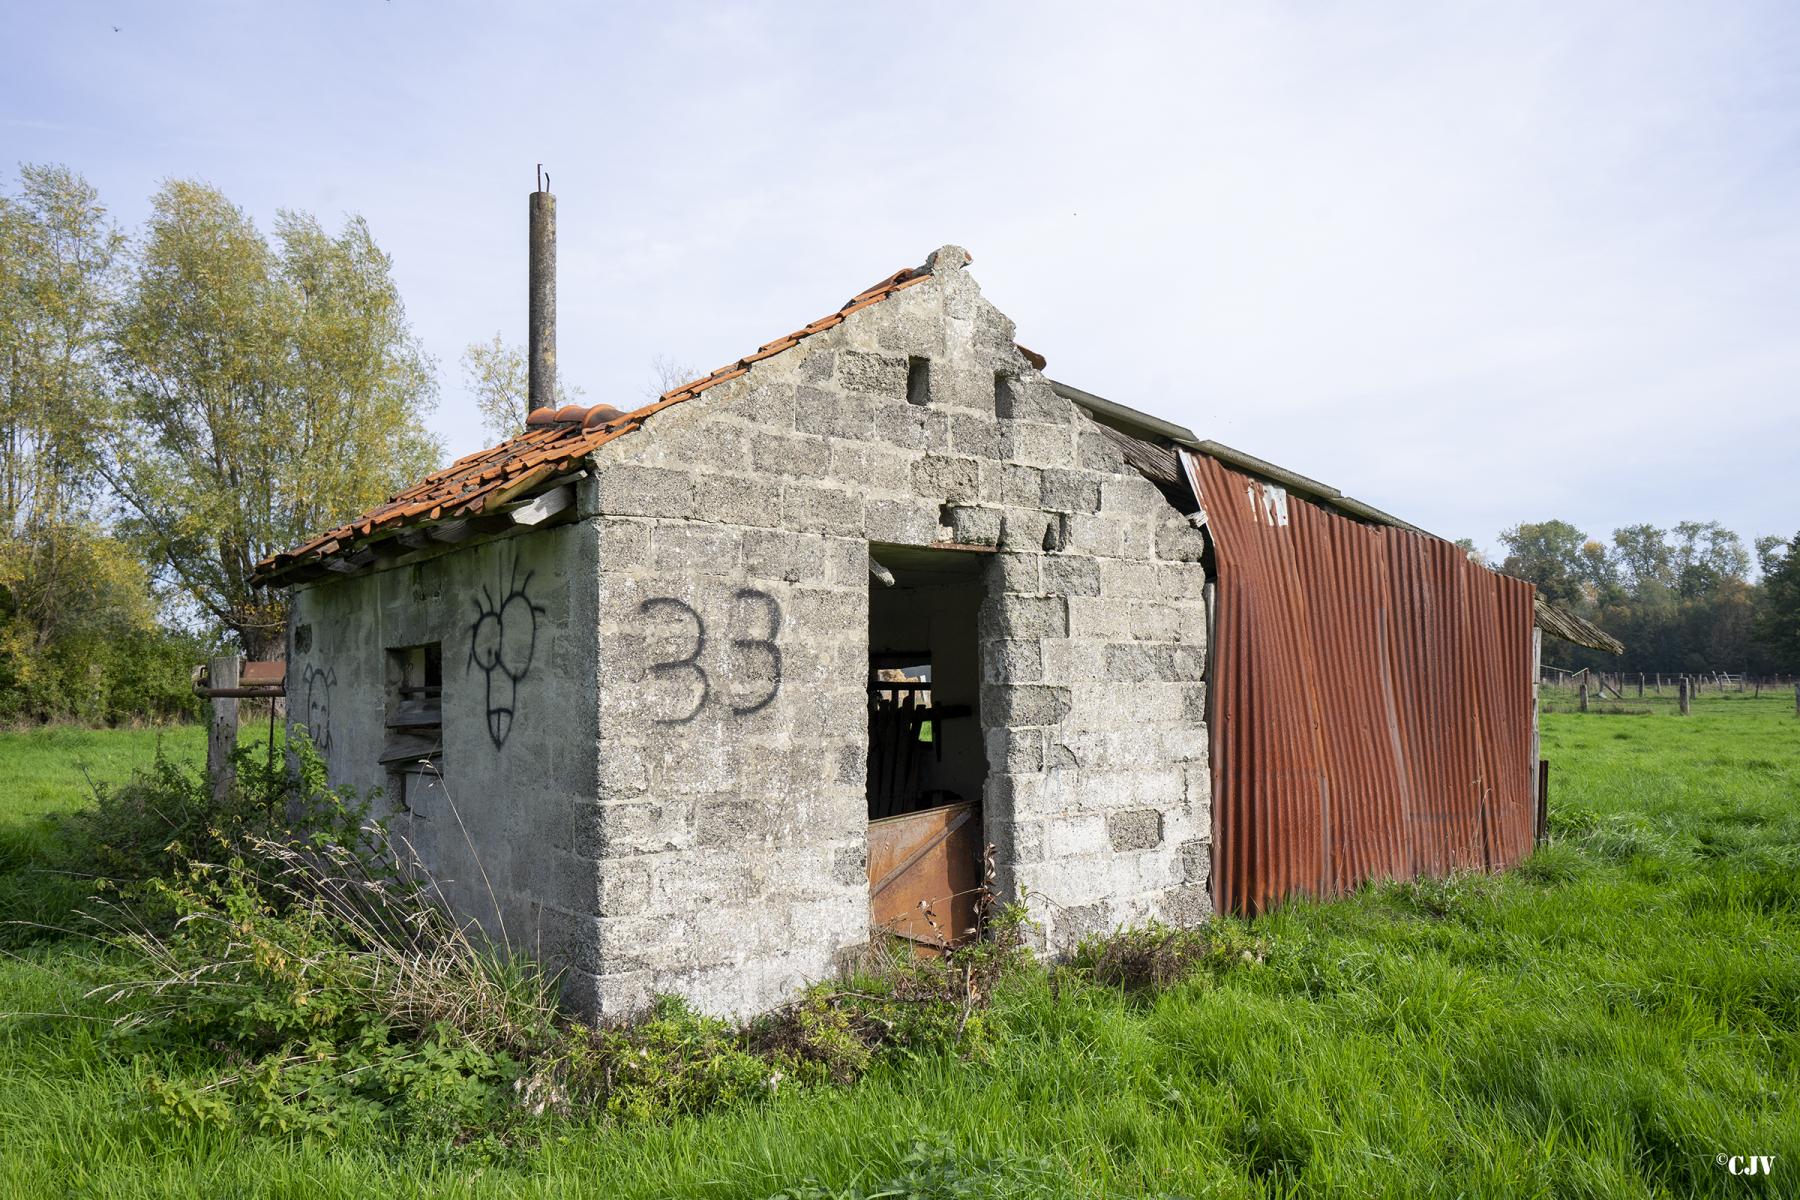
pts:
[1371, 700]
[930, 857]
[260, 679]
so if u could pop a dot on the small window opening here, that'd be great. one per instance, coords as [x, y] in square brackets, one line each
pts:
[1004, 395]
[412, 749]
[918, 381]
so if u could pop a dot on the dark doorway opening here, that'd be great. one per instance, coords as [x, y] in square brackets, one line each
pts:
[927, 758]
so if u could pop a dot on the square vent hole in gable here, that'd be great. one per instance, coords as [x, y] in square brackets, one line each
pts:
[918, 381]
[1005, 395]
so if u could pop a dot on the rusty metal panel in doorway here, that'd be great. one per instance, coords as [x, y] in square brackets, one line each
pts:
[927, 860]
[1371, 700]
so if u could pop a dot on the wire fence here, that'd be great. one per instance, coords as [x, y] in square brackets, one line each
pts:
[1651, 692]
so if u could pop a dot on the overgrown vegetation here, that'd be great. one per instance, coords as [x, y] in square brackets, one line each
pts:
[277, 925]
[1606, 1020]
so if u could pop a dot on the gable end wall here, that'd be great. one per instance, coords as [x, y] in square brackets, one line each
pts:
[730, 831]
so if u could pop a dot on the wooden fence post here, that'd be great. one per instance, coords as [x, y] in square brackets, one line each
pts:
[1686, 696]
[1584, 697]
[221, 737]
[1543, 799]
[1640, 685]
[1797, 699]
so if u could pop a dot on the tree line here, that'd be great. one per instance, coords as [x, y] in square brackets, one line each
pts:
[1682, 600]
[180, 400]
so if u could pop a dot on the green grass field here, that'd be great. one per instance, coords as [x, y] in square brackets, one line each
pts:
[1611, 1019]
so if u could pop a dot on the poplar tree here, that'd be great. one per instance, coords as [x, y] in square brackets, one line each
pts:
[269, 391]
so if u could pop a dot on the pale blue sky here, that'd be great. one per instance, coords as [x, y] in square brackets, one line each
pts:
[1474, 263]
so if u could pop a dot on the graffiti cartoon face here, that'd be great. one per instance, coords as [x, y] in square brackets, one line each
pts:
[502, 643]
[316, 685]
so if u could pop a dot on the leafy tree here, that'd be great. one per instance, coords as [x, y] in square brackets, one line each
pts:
[1769, 550]
[76, 616]
[1643, 558]
[500, 378]
[269, 393]
[497, 374]
[1778, 621]
[57, 256]
[1555, 556]
[1707, 555]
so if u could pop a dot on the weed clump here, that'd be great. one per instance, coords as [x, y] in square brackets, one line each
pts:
[1460, 895]
[1152, 957]
[284, 931]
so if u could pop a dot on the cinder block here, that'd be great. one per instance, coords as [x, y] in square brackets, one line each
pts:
[804, 457]
[1029, 531]
[1069, 491]
[694, 547]
[624, 891]
[1033, 616]
[1014, 573]
[1134, 829]
[973, 435]
[1155, 661]
[1071, 575]
[1100, 453]
[900, 425]
[1034, 400]
[809, 509]
[955, 480]
[833, 414]
[1017, 843]
[1177, 538]
[737, 500]
[1075, 835]
[876, 374]
[1185, 906]
[1028, 704]
[1196, 860]
[901, 522]
[1012, 661]
[1193, 705]
[1131, 494]
[791, 557]
[1038, 444]
[626, 489]
[974, 526]
[1014, 750]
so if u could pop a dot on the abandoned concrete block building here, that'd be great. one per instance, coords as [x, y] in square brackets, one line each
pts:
[685, 698]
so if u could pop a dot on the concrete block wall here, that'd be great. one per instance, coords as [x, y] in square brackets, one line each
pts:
[506, 831]
[733, 536]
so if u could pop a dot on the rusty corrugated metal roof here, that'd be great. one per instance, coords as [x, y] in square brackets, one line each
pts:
[1371, 699]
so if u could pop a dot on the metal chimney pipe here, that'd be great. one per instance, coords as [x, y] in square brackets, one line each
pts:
[540, 388]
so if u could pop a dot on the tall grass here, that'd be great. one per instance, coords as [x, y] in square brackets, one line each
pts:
[1607, 1020]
